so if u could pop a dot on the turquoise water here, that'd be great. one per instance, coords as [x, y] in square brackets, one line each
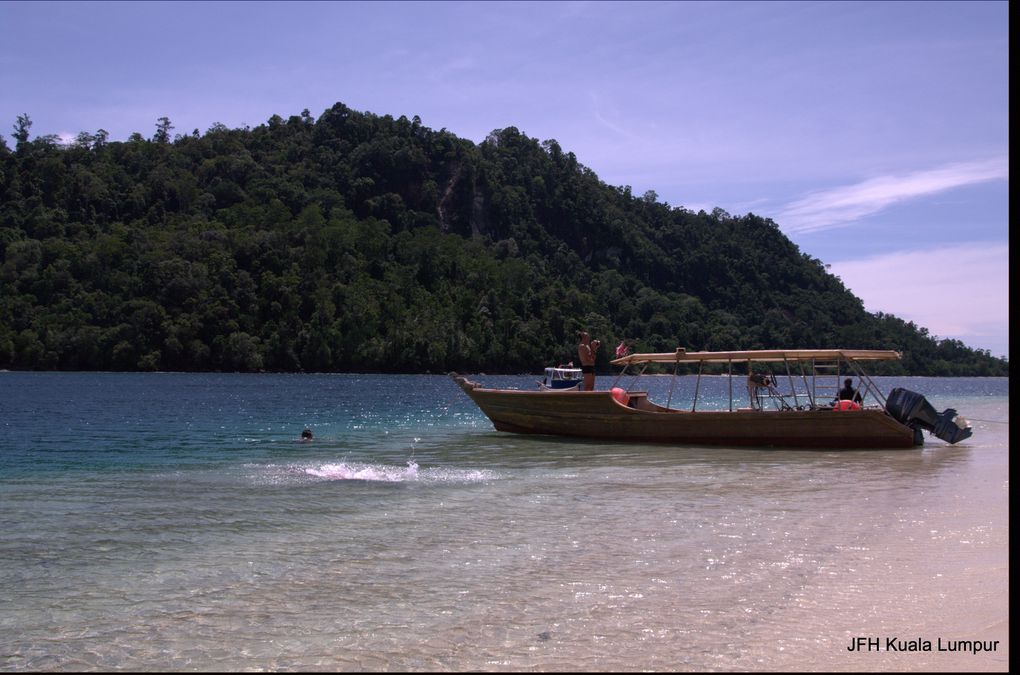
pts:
[175, 522]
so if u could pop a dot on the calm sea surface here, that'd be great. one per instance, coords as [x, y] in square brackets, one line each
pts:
[174, 522]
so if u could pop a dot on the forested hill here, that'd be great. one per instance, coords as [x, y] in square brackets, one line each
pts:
[358, 242]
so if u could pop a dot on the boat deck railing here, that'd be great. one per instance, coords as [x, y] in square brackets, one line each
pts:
[793, 380]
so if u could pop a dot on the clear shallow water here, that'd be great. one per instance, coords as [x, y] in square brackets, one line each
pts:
[173, 521]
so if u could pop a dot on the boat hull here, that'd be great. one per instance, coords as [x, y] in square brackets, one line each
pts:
[598, 415]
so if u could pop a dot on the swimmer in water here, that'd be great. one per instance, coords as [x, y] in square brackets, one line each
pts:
[306, 435]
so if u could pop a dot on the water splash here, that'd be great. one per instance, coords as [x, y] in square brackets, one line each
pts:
[396, 474]
[370, 472]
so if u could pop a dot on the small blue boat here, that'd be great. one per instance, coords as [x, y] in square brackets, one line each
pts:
[561, 377]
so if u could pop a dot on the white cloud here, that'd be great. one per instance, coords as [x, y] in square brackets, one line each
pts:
[602, 112]
[841, 206]
[958, 292]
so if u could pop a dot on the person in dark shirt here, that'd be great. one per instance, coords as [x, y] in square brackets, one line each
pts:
[848, 393]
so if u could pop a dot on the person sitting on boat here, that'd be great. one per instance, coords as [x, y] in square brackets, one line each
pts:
[586, 351]
[848, 393]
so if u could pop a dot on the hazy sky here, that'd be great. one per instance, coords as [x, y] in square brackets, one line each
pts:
[875, 134]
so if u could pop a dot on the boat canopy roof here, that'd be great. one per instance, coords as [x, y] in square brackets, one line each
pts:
[682, 355]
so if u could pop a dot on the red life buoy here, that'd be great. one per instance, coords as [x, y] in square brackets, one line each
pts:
[620, 395]
[846, 405]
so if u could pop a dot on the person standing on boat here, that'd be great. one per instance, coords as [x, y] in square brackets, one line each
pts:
[586, 351]
[848, 393]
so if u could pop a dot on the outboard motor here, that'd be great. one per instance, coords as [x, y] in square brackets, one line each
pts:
[912, 409]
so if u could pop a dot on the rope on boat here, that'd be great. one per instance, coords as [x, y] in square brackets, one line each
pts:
[972, 419]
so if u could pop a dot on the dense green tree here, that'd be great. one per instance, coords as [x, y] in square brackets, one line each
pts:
[21, 127]
[163, 128]
[359, 242]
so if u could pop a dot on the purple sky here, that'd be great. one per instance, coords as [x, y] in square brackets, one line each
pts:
[875, 134]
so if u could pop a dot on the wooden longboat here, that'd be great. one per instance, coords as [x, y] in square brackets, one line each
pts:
[803, 416]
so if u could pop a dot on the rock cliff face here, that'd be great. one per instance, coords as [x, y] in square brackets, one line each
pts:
[442, 209]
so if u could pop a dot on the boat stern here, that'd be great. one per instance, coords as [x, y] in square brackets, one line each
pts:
[914, 410]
